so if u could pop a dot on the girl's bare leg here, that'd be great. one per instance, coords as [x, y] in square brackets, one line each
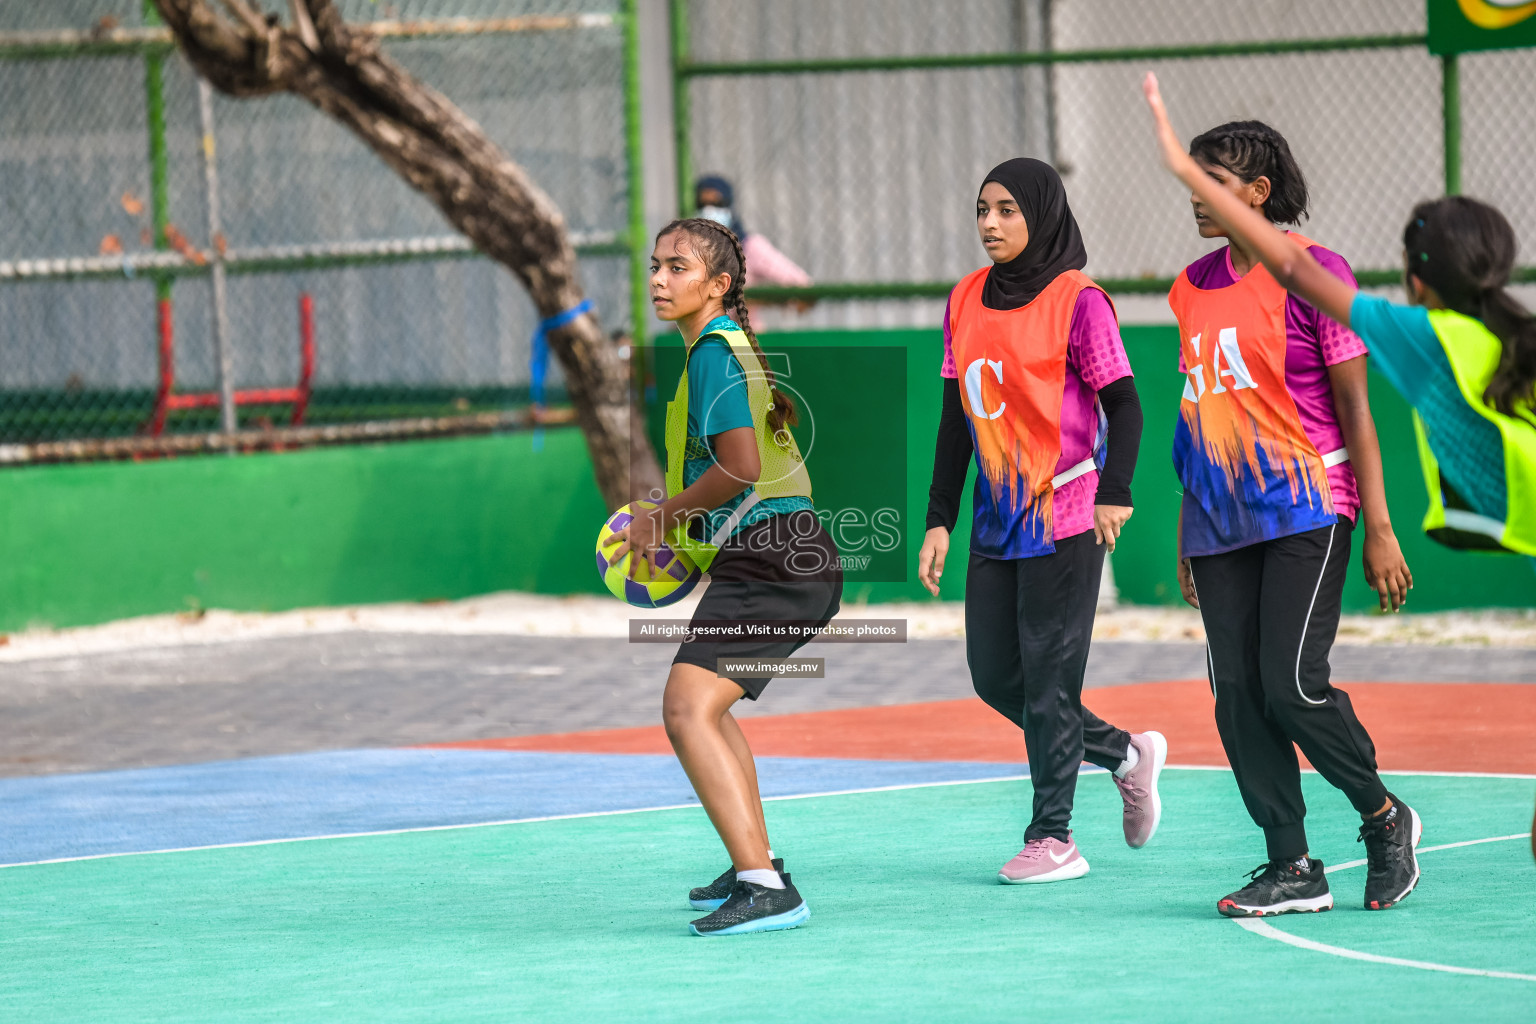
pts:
[738, 742]
[693, 709]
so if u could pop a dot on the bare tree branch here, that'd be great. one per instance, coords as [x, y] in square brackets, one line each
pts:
[306, 27]
[446, 156]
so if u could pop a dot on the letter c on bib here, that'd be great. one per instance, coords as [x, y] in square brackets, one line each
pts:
[973, 387]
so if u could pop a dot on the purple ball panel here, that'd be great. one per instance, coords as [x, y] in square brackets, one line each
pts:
[637, 595]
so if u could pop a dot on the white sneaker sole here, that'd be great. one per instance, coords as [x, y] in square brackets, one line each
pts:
[1309, 906]
[1159, 758]
[1071, 869]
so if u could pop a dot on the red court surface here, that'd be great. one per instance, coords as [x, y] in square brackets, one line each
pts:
[1468, 727]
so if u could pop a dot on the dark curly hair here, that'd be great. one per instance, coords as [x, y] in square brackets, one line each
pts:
[1253, 150]
[720, 251]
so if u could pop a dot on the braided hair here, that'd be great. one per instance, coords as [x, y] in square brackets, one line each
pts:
[1465, 250]
[1253, 150]
[720, 251]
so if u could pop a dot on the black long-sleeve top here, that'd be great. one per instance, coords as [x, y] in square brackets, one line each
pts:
[952, 453]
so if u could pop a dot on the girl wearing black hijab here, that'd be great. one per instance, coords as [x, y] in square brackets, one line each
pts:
[1037, 386]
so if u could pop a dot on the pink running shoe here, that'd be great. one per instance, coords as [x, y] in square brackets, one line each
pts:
[1044, 860]
[1143, 807]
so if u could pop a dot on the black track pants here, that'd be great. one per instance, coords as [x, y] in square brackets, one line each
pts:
[1271, 611]
[1027, 626]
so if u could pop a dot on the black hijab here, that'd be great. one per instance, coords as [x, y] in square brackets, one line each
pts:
[1055, 244]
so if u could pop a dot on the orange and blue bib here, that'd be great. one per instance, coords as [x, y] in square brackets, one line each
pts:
[1250, 472]
[1012, 366]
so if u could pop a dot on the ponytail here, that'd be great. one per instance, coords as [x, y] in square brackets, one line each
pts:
[1514, 382]
[720, 250]
[1465, 250]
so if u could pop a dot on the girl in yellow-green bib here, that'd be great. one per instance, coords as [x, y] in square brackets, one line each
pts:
[738, 503]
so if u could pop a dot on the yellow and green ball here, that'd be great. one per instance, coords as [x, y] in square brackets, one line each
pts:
[675, 577]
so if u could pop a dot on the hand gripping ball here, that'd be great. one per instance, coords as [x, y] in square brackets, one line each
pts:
[675, 577]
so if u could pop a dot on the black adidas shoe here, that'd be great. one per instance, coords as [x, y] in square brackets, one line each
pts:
[709, 897]
[755, 908]
[1279, 887]
[1392, 870]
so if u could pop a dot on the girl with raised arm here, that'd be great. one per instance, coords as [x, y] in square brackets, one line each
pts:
[1278, 455]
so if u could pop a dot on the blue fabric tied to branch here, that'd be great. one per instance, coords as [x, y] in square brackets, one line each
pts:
[538, 363]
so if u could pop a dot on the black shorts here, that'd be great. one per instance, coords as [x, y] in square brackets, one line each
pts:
[783, 569]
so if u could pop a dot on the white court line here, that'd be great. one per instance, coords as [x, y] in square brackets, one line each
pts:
[1384, 771]
[1432, 849]
[1269, 931]
[491, 824]
[633, 810]
[1454, 775]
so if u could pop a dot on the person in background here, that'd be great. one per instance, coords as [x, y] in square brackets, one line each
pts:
[715, 199]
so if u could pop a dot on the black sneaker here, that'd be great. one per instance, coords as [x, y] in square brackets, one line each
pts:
[1280, 887]
[1392, 869]
[755, 908]
[711, 896]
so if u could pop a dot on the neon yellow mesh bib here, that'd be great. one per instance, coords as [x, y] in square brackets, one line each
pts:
[783, 472]
[1473, 352]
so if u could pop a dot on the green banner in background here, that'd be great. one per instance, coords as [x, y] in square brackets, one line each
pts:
[1457, 26]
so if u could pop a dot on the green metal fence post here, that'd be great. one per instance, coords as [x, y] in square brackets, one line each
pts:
[1450, 96]
[639, 251]
[680, 111]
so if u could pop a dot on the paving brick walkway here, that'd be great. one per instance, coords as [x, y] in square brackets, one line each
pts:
[344, 690]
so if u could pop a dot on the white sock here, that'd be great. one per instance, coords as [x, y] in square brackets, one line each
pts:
[1132, 757]
[766, 877]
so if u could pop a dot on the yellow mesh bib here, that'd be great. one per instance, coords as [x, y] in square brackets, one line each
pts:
[783, 473]
[1473, 352]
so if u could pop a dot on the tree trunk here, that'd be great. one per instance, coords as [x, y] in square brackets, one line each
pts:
[244, 51]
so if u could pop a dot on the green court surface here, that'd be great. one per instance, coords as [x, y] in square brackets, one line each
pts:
[584, 919]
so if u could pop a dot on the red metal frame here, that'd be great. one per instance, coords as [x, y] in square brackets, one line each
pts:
[165, 401]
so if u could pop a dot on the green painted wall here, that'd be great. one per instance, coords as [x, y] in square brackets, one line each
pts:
[414, 521]
[446, 519]
[1146, 558]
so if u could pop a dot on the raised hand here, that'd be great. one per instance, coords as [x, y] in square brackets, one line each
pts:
[1169, 147]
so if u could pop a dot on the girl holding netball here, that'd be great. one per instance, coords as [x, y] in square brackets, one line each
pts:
[1278, 455]
[739, 503]
[1038, 387]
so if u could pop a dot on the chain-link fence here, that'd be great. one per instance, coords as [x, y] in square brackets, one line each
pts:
[857, 132]
[349, 299]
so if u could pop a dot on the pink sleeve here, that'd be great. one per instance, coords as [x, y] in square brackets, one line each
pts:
[947, 368]
[1094, 347]
[766, 265]
[1338, 343]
